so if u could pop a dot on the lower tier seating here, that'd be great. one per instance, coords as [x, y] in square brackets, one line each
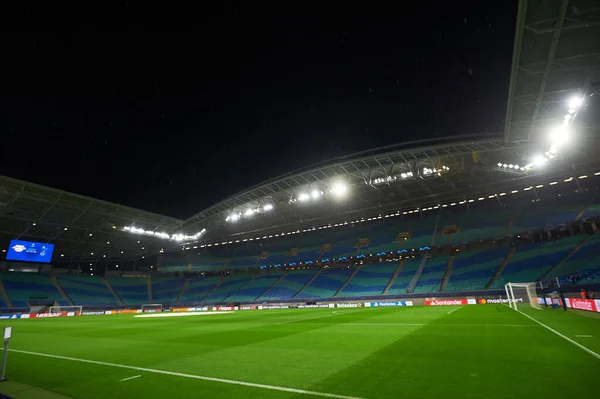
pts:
[86, 290]
[369, 280]
[131, 290]
[22, 287]
[326, 284]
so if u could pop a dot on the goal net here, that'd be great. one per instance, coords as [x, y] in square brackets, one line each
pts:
[522, 295]
[152, 307]
[61, 309]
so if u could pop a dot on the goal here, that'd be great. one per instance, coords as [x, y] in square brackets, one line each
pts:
[523, 294]
[61, 309]
[151, 307]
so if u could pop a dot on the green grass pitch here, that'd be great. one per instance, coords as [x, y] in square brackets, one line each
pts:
[477, 351]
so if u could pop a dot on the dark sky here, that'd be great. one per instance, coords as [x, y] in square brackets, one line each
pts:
[173, 109]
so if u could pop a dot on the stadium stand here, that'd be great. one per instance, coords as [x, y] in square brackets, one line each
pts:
[198, 288]
[532, 261]
[369, 280]
[431, 279]
[22, 287]
[256, 287]
[292, 283]
[132, 290]
[166, 290]
[400, 285]
[228, 287]
[473, 270]
[86, 290]
[326, 284]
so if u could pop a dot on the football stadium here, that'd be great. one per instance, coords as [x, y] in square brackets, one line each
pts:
[458, 267]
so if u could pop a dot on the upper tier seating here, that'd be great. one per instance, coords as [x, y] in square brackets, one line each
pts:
[86, 290]
[21, 287]
[131, 290]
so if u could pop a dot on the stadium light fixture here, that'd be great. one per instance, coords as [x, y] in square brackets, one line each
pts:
[316, 194]
[33, 224]
[575, 102]
[539, 160]
[249, 212]
[339, 189]
[91, 234]
[268, 207]
[303, 197]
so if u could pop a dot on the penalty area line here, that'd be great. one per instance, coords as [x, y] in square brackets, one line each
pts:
[192, 376]
[591, 352]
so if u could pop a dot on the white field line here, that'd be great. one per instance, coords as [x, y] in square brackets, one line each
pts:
[453, 310]
[334, 313]
[130, 378]
[584, 336]
[179, 314]
[438, 325]
[591, 352]
[193, 376]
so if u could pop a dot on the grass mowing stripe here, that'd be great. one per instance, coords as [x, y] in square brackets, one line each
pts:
[591, 352]
[197, 377]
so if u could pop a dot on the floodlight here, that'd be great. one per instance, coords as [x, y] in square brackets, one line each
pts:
[575, 102]
[303, 197]
[268, 207]
[249, 212]
[234, 217]
[559, 135]
[316, 194]
[339, 189]
[539, 160]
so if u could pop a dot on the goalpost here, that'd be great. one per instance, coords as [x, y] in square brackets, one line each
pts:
[60, 309]
[152, 307]
[522, 293]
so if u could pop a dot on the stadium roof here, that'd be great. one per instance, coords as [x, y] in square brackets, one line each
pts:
[79, 224]
[556, 56]
[405, 177]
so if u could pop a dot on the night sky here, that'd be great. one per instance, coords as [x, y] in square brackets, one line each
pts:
[173, 109]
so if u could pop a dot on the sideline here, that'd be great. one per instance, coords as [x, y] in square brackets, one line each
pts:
[591, 352]
[193, 376]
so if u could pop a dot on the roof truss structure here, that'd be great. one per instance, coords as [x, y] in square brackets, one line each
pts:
[556, 56]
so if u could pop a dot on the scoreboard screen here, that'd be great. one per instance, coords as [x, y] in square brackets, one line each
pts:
[28, 251]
